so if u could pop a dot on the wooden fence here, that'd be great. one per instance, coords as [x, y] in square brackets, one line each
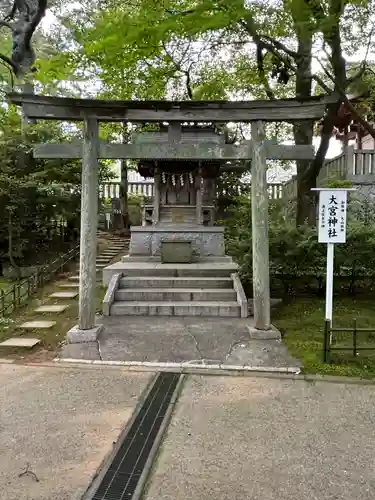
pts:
[112, 190]
[17, 294]
[357, 166]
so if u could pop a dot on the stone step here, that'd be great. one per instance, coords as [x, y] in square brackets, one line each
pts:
[52, 308]
[143, 308]
[75, 279]
[37, 325]
[171, 282]
[64, 295]
[195, 270]
[20, 342]
[175, 294]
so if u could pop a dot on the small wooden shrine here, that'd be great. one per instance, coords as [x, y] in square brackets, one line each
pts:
[185, 190]
[184, 198]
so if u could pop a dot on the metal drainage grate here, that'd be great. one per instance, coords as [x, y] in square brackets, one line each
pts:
[121, 479]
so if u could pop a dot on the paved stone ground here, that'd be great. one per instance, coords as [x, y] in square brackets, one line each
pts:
[62, 422]
[171, 339]
[268, 439]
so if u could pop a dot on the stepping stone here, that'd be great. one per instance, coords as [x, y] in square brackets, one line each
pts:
[20, 342]
[69, 285]
[100, 266]
[51, 309]
[73, 278]
[38, 324]
[103, 259]
[64, 295]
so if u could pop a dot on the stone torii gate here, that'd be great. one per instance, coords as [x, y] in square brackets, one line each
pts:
[92, 111]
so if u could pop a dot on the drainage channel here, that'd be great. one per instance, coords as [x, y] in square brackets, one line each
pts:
[122, 477]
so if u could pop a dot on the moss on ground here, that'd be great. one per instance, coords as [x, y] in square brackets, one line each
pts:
[302, 324]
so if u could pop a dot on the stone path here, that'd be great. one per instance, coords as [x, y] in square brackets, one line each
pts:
[52, 308]
[20, 342]
[64, 295]
[70, 292]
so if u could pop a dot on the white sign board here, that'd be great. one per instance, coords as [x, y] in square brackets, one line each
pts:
[332, 216]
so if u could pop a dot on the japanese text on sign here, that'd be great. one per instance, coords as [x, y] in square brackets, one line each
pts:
[332, 216]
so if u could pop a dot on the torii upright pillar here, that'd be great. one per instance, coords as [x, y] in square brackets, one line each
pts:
[259, 216]
[86, 330]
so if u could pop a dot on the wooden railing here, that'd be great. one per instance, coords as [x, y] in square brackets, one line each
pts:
[358, 166]
[112, 190]
[16, 295]
[363, 163]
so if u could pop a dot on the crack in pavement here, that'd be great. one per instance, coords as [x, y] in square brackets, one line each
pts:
[195, 340]
[99, 350]
[234, 345]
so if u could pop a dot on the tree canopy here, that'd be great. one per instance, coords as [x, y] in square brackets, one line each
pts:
[217, 49]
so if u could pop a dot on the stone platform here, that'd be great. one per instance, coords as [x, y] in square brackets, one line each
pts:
[206, 341]
[206, 241]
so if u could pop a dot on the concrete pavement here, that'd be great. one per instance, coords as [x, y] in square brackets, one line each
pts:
[60, 423]
[268, 439]
[230, 341]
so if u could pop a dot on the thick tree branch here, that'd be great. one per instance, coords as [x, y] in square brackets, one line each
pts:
[260, 62]
[26, 16]
[365, 124]
[280, 46]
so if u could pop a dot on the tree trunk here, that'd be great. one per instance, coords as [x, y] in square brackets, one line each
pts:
[307, 172]
[303, 131]
[124, 182]
[124, 193]
[306, 199]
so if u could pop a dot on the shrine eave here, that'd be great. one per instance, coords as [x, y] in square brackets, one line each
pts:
[71, 109]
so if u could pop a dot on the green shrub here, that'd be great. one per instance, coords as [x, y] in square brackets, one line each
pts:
[297, 260]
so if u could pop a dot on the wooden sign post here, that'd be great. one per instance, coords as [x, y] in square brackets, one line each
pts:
[331, 230]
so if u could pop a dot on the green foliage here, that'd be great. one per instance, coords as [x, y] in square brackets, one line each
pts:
[34, 194]
[297, 260]
[336, 184]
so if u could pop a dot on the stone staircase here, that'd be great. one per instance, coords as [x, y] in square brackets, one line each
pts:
[167, 290]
